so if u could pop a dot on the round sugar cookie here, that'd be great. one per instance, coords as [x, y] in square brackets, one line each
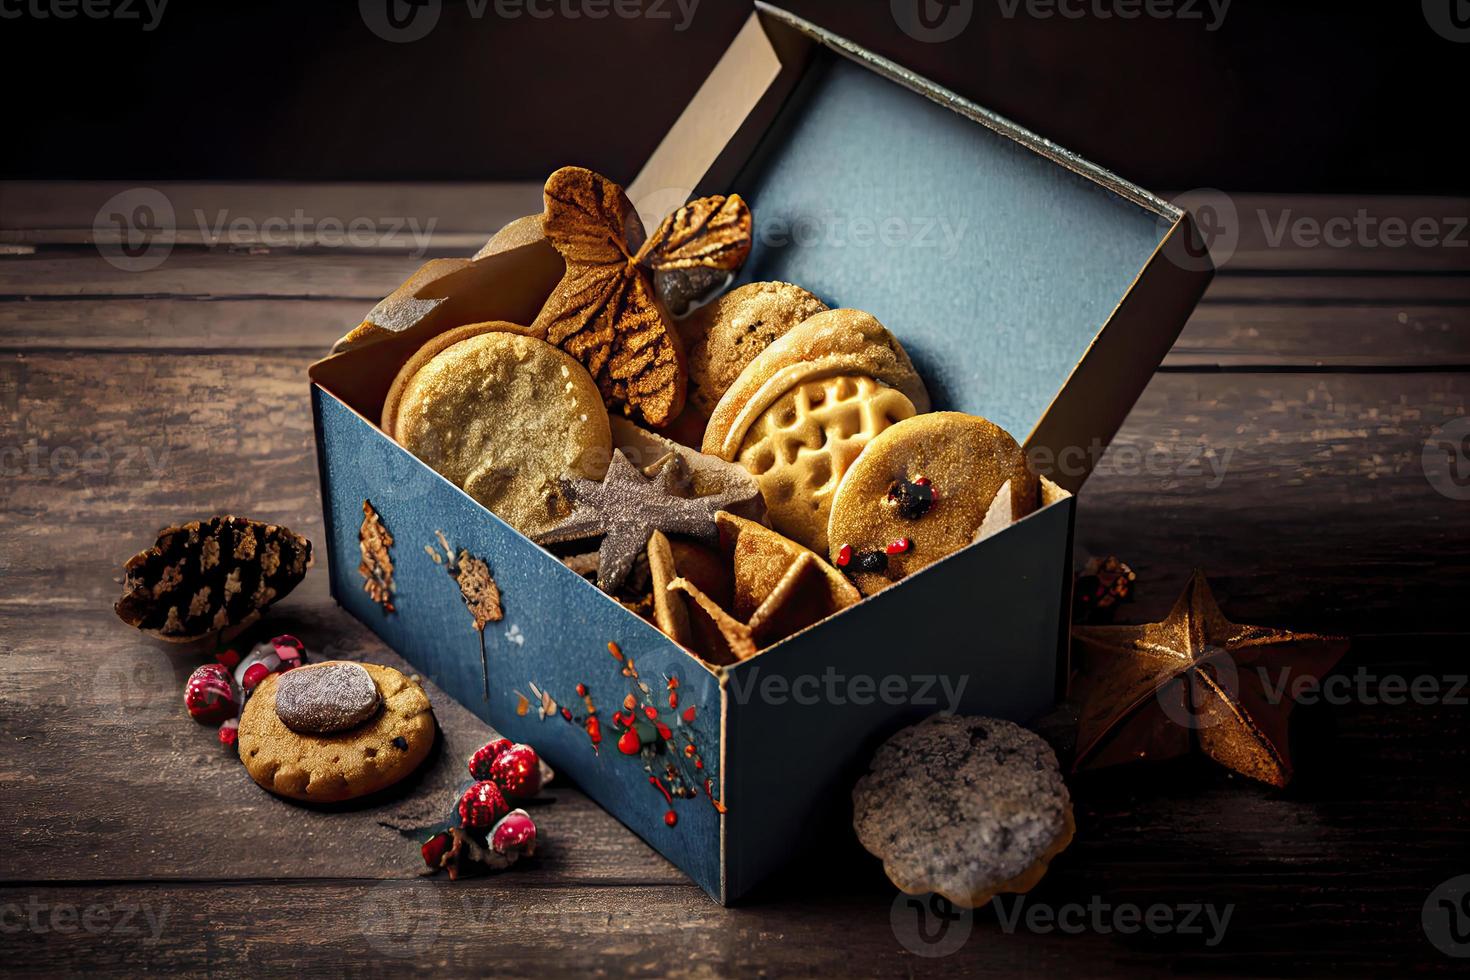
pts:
[373, 755]
[725, 335]
[509, 419]
[920, 491]
[432, 348]
[964, 807]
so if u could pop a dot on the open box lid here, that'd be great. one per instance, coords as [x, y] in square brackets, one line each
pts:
[996, 257]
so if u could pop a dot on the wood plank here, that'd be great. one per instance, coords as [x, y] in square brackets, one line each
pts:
[178, 324]
[359, 217]
[1327, 469]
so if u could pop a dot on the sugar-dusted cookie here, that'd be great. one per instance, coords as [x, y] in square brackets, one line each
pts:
[328, 768]
[725, 335]
[428, 352]
[964, 807]
[801, 411]
[921, 491]
[510, 419]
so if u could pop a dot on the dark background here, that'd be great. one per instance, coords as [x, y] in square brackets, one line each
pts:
[1306, 96]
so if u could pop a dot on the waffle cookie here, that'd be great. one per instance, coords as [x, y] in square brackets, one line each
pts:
[802, 411]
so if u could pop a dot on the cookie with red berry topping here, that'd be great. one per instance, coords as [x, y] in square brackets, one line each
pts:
[340, 765]
[964, 807]
[920, 491]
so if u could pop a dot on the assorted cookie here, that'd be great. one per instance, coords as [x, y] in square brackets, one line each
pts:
[509, 419]
[803, 409]
[967, 808]
[727, 334]
[821, 474]
[335, 731]
[922, 490]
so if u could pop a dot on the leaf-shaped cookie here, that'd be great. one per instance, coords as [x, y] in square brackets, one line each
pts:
[205, 577]
[605, 311]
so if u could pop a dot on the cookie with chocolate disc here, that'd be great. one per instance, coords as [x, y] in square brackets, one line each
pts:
[920, 491]
[510, 419]
[966, 808]
[318, 734]
[802, 411]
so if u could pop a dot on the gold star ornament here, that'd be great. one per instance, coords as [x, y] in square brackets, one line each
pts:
[1195, 680]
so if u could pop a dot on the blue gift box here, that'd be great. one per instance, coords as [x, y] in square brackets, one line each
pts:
[1028, 285]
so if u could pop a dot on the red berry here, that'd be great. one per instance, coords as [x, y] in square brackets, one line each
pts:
[209, 696]
[254, 674]
[229, 732]
[517, 772]
[673, 700]
[566, 713]
[844, 556]
[628, 743]
[663, 731]
[482, 806]
[515, 834]
[671, 818]
[673, 683]
[433, 849]
[650, 711]
[485, 755]
[594, 730]
[689, 715]
[899, 547]
[581, 690]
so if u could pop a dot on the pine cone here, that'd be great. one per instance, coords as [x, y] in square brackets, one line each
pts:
[207, 576]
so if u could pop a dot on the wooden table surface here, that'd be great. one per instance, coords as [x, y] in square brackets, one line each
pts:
[1281, 448]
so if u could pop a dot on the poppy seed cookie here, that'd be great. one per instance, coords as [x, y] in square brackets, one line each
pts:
[965, 807]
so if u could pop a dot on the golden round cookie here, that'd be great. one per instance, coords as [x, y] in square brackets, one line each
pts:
[509, 419]
[725, 335]
[427, 352]
[345, 765]
[800, 447]
[929, 481]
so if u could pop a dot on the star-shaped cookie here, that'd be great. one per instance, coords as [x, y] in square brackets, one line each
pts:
[1158, 690]
[627, 507]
